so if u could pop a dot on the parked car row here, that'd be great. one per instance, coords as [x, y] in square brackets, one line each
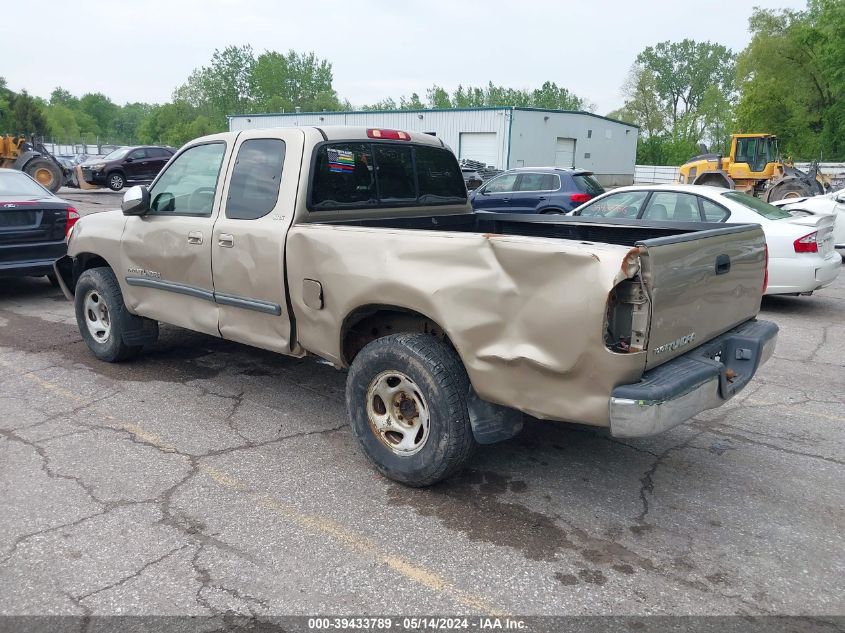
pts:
[803, 234]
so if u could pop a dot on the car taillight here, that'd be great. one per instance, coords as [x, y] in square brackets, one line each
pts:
[806, 244]
[394, 135]
[766, 270]
[580, 198]
[71, 218]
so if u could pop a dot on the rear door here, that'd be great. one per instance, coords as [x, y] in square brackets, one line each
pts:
[248, 244]
[532, 191]
[700, 285]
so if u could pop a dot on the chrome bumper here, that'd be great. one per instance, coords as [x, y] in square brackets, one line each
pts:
[702, 379]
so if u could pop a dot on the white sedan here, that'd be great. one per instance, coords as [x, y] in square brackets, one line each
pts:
[801, 254]
[828, 204]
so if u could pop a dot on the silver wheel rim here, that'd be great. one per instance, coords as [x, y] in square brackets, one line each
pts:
[116, 181]
[398, 413]
[97, 316]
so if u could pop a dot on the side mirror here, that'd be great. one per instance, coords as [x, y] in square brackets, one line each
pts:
[136, 201]
[128, 160]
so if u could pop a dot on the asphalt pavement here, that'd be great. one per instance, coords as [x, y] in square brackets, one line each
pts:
[207, 477]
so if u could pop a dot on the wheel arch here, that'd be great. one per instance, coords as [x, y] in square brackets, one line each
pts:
[82, 262]
[369, 322]
[711, 177]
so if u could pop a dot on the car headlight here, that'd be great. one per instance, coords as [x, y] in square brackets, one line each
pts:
[98, 166]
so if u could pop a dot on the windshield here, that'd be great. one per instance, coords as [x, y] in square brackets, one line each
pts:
[117, 154]
[19, 184]
[758, 206]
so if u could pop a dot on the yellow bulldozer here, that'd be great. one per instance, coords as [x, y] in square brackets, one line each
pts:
[30, 156]
[753, 166]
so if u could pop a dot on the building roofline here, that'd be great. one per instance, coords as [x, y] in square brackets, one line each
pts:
[423, 110]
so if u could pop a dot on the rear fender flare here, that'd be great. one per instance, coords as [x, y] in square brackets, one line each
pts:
[23, 159]
[707, 175]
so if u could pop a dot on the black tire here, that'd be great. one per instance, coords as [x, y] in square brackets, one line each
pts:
[46, 173]
[789, 189]
[435, 369]
[552, 212]
[102, 284]
[116, 181]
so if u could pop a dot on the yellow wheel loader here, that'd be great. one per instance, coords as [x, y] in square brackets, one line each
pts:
[754, 167]
[30, 156]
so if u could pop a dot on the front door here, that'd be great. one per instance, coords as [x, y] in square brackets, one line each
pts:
[167, 252]
[248, 245]
[135, 166]
[496, 194]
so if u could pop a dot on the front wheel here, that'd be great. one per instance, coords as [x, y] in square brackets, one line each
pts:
[102, 316]
[116, 181]
[406, 395]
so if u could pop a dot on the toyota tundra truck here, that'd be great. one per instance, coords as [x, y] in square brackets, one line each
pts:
[358, 246]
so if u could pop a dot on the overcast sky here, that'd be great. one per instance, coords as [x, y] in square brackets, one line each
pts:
[142, 50]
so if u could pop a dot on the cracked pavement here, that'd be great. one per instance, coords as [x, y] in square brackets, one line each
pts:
[207, 477]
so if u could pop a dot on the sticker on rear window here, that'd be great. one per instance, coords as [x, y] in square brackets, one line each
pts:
[341, 160]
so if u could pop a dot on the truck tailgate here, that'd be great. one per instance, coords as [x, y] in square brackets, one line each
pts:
[700, 285]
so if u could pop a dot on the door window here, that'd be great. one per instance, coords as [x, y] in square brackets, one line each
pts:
[538, 182]
[713, 212]
[256, 176]
[138, 154]
[625, 204]
[502, 184]
[671, 205]
[188, 185]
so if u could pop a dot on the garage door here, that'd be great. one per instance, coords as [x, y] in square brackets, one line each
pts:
[480, 146]
[565, 153]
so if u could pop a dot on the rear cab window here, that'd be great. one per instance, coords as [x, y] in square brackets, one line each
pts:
[354, 175]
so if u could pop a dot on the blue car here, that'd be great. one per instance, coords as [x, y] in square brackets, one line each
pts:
[536, 190]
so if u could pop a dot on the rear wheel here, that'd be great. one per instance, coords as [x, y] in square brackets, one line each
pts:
[46, 173]
[407, 400]
[102, 316]
[552, 212]
[116, 181]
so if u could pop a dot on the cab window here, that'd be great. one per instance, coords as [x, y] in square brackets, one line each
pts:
[625, 204]
[189, 184]
[256, 176]
[360, 175]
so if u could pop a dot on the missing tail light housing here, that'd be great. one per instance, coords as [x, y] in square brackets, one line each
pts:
[71, 218]
[806, 244]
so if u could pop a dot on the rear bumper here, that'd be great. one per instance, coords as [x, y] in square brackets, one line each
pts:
[796, 275]
[702, 379]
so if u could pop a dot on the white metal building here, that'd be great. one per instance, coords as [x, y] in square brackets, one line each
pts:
[501, 137]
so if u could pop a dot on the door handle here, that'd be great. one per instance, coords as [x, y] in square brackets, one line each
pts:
[723, 264]
[194, 237]
[542, 198]
[506, 199]
[226, 240]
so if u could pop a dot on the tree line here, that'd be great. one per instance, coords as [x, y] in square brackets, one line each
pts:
[789, 81]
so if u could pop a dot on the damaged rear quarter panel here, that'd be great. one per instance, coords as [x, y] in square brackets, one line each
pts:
[525, 314]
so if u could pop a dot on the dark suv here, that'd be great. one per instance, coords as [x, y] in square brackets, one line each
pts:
[536, 190]
[127, 165]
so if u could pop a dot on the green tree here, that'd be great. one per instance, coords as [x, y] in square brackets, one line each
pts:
[26, 116]
[792, 79]
[100, 108]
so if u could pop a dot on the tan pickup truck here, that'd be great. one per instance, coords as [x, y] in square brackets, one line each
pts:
[358, 245]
